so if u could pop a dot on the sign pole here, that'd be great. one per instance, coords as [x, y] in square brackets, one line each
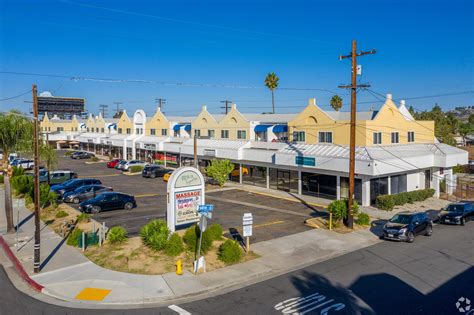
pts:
[248, 244]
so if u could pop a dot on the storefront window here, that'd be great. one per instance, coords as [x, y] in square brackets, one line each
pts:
[254, 175]
[398, 184]
[357, 189]
[319, 185]
[378, 186]
[285, 180]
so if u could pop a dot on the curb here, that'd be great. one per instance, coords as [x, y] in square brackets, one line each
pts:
[19, 268]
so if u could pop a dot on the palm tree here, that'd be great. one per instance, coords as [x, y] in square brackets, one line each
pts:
[271, 82]
[336, 102]
[15, 133]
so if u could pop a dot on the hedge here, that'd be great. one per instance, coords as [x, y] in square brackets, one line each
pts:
[229, 252]
[136, 168]
[387, 202]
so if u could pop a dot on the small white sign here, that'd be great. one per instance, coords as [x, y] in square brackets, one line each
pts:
[247, 230]
[247, 219]
[200, 263]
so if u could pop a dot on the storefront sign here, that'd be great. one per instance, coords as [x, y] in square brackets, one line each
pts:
[185, 194]
[90, 140]
[307, 161]
[209, 152]
[149, 146]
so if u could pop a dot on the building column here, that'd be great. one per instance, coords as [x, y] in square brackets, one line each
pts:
[300, 183]
[124, 149]
[164, 158]
[268, 178]
[389, 186]
[450, 181]
[435, 179]
[365, 192]
[240, 173]
[338, 187]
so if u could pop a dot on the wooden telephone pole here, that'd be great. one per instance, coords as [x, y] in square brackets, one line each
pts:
[37, 246]
[353, 55]
[227, 102]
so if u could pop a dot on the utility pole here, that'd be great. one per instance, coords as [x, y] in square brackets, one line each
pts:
[227, 102]
[195, 152]
[161, 102]
[103, 109]
[353, 55]
[36, 262]
[118, 107]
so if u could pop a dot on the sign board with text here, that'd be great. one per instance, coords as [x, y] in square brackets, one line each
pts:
[247, 223]
[185, 193]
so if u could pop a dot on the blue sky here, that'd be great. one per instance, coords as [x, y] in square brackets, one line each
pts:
[423, 48]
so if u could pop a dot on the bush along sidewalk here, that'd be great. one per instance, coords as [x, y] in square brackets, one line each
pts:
[388, 202]
[136, 169]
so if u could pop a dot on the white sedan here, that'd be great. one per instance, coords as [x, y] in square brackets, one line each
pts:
[129, 164]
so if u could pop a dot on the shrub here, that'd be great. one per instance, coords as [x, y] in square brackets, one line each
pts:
[117, 235]
[215, 231]
[338, 208]
[155, 234]
[73, 239]
[135, 168]
[387, 202]
[61, 214]
[28, 200]
[22, 184]
[219, 170]
[2, 178]
[83, 217]
[94, 159]
[191, 239]
[47, 197]
[18, 171]
[229, 252]
[68, 153]
[363, 219]
[174, 246]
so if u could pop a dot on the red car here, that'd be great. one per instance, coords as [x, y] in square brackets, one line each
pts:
[112, 163]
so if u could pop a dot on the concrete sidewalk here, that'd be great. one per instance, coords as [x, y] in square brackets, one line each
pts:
[68, 273]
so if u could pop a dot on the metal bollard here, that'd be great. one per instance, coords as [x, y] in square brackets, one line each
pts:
[179, 267]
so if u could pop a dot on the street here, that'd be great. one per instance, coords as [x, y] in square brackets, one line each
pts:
[426, 277]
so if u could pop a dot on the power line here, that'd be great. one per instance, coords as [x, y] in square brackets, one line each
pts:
[16, 96]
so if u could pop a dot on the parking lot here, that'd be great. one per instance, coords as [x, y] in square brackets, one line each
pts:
[273, 217]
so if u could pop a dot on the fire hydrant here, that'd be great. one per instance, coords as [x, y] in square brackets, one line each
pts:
[179, 267]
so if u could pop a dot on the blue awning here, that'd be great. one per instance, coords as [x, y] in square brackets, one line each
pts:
[187, 127]
[280, 128]
[262, 128]
[177, 127]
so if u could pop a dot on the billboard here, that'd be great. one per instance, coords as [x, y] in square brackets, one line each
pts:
[60, 105]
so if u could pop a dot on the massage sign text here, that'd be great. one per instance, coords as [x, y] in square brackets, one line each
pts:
[187, 203]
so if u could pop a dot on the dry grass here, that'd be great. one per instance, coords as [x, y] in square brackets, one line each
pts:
[134, 257]
[338, 227]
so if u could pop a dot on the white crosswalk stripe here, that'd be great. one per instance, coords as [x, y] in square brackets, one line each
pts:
[179, 310]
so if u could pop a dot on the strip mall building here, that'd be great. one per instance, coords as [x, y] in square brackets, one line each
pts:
[305, 153]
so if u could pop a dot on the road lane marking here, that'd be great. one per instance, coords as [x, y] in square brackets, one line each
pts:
[179, 310]
[146, 195]
[93, 294]
[306, 304]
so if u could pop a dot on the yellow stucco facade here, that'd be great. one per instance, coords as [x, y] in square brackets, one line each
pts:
[232, 124]
[157, 124]
[313, 120]
[205, 122]
[54, 125]
[124, 124]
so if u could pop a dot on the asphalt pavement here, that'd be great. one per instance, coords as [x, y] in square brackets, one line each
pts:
[429, 276]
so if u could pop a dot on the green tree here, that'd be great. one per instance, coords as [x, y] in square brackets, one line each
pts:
[444, 129]
[336, 102]
[271, 82]
[15, 133]
[471, 119]
[464, 130]
[48, 156]
[219, 170]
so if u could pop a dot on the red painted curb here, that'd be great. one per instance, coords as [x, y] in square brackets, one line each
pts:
[19, 267]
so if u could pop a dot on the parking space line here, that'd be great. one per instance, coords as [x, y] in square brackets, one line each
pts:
[98, 176]
[267, 224]
[179, 310]
[146, 195]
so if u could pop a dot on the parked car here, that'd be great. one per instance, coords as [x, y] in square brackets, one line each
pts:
[131, 163]
[73, 184]
[236, 172]
[84, 193]
[404, 226]
[167, 176]
[11, 157]
[23, 163]
[108, 201]
[153, 171]
[120, 165]
[61, 176]
[78, 155]
[113, 163]
[457, 213]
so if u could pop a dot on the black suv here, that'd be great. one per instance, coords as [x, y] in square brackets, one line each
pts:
[73, 184]
[153, 171]
[81, 155]
[404, 226]
[457, 213]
